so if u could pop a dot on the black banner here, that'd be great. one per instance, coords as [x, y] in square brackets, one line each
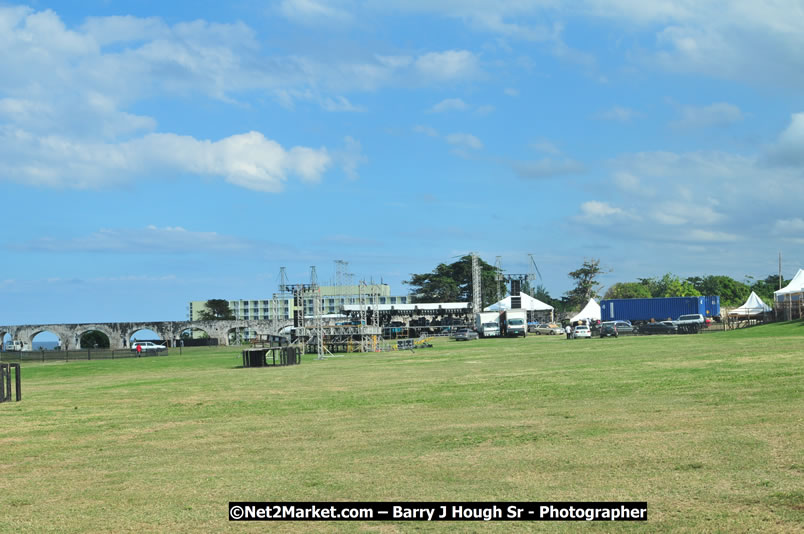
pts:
[438, 511]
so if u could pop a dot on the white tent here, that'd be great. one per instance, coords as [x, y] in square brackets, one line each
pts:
[795, 287]
[589, 312]
[753, 306]
[528, 303]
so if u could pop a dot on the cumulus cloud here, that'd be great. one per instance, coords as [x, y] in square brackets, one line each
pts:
[247, 160]
[314, 12]
[449, 65]
[619, 114]
[464, 140]
[547, 168]
[788, 150]
[702, 196]
[600, 213]
[789, 227]
[148, 240]
[449, 104]
[717, 114]
[426, 130]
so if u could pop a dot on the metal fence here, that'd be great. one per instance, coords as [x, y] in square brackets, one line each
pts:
[76, 355]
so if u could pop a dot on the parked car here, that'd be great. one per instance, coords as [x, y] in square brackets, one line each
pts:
[664, 327]
[623, 327]
[464, 334]
[147, 346]
[549, 329]
[582, 331]
[608, 330]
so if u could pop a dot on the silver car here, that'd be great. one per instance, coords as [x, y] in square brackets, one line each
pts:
[549, 329]
[464, 334]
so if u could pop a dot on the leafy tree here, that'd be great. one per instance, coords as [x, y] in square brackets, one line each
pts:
[215, 309]
[453, 283]
[628, 290]
[586, 284]
[765, 288]
[669, 285]
[94, 340]
[731, 292]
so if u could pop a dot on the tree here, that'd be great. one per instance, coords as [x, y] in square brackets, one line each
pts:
[669, 285]
[216, 309]
[453, 283]
[731, 292]
[586, 284]
[765, 288]
[628, 290]
[94, 340]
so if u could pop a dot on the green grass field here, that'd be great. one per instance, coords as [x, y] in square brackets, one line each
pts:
[708, 429]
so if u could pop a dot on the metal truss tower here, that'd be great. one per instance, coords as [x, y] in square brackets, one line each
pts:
[499, 274]
[318, 321]
[477, 295]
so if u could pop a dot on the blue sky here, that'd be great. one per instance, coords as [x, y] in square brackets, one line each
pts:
[156, 153]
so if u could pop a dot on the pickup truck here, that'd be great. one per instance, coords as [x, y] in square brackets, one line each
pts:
[690, 323]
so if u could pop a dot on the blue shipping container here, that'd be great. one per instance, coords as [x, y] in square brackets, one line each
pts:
[659, 309]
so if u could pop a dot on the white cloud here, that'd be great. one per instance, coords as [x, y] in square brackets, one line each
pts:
[464, 140]
[449, 104]
[426, 130]
[717, 114]
[619, 114]
[510, 91]
[600, 213]
[545, 146]
[340, 103]
[789, 227]
[547, 168]
[449, 65]
[314, 12]
[704, 196]
[732, 40]
[247, 160]
[789, 147]
[709, 236]
[148, 240]
[351, 157]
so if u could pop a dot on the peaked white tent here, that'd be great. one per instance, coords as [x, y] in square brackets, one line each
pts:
[753, 306]
[795, 287]
[591, 312]
[528, 303]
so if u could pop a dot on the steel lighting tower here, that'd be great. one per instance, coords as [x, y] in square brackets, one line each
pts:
[499, 271]
[476, 287]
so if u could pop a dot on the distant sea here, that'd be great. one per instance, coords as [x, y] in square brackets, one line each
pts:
[45, 345]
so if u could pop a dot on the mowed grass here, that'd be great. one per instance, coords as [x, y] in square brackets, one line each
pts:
[708, 429]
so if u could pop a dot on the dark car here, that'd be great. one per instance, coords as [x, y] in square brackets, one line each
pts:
[608, 330]
[464, 334]
[665, 327]
[623, 327]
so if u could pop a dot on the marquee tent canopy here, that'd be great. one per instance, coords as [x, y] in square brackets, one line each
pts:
[753, 306]
[528, 303]
[591, 311]
[795, 287]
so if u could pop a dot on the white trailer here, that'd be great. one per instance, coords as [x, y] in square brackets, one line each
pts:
[487, 324]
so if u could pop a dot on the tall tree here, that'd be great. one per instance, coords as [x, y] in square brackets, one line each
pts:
[765, 288]
[669, 285]
[453, 283]
[215, 309]
[586, 284]
[628, 290]
[731, 292]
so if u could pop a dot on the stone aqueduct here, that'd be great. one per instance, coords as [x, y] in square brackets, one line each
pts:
[119, 334]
